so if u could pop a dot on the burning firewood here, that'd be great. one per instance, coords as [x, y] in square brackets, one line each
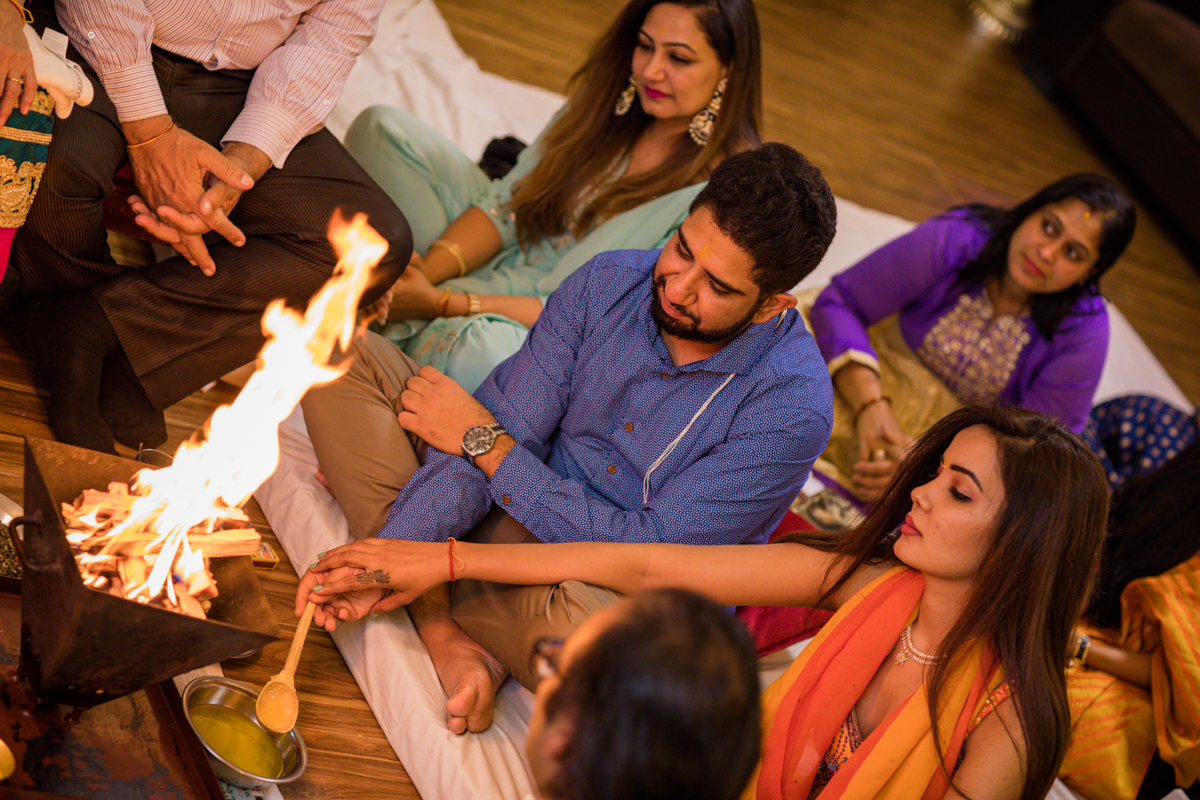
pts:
[123, 559]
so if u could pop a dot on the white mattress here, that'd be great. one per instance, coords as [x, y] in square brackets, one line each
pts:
[415, 64]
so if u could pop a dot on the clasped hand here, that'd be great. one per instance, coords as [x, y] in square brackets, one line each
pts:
[188, 188]
[882, 443]
[370, 576]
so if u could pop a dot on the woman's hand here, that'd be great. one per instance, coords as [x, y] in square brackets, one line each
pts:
[372, 576]
[413, 296]
[336, 608]
[882, 443]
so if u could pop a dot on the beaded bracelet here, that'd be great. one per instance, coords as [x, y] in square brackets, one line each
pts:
[456, 251]
[879, 398]
[1081, 651]
[473, 304]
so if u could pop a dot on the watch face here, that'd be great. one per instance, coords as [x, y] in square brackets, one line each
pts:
[478, 440]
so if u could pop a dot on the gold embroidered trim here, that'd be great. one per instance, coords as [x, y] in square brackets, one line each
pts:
[972, 353]
[42, 103]
[19, 135]
[18, 186]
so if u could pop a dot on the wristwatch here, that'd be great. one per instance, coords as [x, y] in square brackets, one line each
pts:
[480, 439]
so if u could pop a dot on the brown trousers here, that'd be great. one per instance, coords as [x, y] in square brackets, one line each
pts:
[367, 458]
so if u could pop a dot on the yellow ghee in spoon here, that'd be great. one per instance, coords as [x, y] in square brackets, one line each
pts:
[237, 739]
[277, 707]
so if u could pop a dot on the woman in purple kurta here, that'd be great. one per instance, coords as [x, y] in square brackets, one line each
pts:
[1000, 305]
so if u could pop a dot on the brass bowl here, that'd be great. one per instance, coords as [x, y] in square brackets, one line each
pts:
[213, 690]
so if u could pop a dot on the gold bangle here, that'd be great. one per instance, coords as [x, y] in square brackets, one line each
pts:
[445, 303]
[25, 12]
[170, 128]
[456, 251]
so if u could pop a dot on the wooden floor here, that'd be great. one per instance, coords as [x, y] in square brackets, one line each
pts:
[903, 106]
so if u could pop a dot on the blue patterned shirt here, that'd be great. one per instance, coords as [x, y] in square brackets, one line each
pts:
[616, 443]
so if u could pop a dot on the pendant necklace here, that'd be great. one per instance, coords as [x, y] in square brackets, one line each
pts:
[909, 650]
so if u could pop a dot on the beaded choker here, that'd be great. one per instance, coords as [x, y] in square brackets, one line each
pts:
[909, 650]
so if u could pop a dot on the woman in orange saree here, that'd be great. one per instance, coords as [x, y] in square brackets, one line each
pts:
[964, 581]
[1134, 688]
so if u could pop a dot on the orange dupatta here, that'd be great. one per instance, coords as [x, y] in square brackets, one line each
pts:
[806, 706]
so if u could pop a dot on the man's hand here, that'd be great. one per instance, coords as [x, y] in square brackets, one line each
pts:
[340, 606]
[353, 576]
[171, 174]
[438, 410]
[16, 64]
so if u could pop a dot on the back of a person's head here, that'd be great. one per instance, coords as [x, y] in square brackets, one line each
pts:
[664, 704]
[775, 205]
[1154, 525]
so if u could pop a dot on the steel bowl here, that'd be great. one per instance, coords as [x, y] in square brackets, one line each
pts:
[213, 690]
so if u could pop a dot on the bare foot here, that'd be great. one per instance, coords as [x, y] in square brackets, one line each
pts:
[469, 674]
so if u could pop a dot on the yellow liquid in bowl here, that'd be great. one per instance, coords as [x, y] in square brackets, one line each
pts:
[237, 739]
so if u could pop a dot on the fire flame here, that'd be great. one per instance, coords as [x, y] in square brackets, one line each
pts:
[241, 448]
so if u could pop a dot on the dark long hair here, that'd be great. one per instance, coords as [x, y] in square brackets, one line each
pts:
[1037, 572]
[1154, 525]
[1100, 195]
[587, 137]
[664, 703]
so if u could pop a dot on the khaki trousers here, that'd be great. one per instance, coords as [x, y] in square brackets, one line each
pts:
[367, 458]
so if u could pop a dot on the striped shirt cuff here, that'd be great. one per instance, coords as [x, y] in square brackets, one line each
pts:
[267, 127]
[134, 92]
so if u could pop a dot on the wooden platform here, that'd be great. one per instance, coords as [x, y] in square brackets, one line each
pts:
[903, 106]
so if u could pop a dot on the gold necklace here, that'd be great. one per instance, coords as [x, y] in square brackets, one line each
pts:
[909, 650]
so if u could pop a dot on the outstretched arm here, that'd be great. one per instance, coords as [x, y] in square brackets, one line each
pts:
[775, 574]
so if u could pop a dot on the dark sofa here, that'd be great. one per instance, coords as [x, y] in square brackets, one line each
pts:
[1128, 71]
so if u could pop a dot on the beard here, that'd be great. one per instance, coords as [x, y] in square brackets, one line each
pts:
[689, 328]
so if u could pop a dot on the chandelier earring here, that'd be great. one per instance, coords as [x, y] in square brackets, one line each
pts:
[625, 98]
[702, 124]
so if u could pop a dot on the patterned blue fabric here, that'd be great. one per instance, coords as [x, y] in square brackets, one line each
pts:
[593, 400]
[1136, 433]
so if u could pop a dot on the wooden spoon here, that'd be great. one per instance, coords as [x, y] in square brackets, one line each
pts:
[277, 706]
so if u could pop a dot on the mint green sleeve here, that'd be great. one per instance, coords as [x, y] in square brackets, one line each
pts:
[494, 199]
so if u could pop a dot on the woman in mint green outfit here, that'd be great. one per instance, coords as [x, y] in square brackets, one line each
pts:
[615, 169]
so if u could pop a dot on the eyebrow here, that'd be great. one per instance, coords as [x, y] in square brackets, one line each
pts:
[667, 44]
[968, 473]
[683, 242]
[725, 287]
[1074, 240]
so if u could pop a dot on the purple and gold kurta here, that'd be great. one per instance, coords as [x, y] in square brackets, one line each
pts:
[951, 325]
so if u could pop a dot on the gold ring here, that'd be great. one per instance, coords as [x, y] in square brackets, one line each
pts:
[15, 80]
[879, 455]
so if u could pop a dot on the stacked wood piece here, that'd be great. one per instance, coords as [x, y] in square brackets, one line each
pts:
[119, 562]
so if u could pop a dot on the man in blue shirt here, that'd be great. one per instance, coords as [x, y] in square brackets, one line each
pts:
[660, 397]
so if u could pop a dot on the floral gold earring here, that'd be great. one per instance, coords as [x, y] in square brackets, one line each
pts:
[625, 98]
[702, 124]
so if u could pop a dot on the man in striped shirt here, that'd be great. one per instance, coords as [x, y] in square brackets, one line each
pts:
[219, 107]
